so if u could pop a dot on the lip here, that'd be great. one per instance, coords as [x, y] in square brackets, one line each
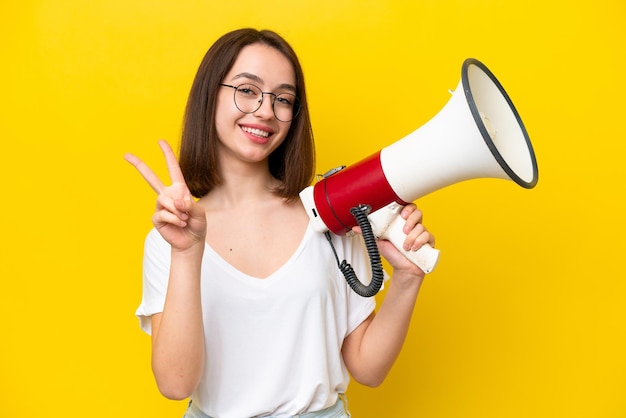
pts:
[259, 134]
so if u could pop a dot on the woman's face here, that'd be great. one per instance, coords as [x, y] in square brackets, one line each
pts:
[251, 137]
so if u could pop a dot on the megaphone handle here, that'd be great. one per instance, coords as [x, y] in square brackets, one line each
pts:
[425, 258]
[388, 224]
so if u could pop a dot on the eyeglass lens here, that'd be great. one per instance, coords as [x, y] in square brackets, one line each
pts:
[248, 99]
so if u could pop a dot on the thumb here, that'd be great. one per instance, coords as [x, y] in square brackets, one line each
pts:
[190, 206]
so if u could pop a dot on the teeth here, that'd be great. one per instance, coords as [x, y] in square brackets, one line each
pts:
[257, 132]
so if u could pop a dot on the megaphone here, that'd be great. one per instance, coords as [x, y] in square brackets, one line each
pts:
[477, 134]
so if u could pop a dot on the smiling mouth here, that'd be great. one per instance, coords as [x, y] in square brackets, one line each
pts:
[256, 132]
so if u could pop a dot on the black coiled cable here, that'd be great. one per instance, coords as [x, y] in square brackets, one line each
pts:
[360, 214]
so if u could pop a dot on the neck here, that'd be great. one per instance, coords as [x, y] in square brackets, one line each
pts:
[245, 184]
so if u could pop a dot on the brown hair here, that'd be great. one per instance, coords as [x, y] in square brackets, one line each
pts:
[293, 162]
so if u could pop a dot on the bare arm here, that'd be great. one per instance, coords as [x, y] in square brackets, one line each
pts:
[371, 350]
[177, 332]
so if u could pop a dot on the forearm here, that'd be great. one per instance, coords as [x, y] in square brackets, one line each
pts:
[178, 340]
[384, 336]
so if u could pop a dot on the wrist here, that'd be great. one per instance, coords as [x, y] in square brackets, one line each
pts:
[406, 281]
[194, 251]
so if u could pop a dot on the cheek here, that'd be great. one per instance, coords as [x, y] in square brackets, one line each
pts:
[226, 116]
[224, 123]
[281, 141]
[283, 133]
[225, 108]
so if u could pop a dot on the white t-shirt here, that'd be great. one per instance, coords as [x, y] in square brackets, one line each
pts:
[273, 345]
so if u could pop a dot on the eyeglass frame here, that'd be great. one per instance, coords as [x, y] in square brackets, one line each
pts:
[296, 106]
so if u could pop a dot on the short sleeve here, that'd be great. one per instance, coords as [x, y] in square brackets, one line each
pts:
[156, 270]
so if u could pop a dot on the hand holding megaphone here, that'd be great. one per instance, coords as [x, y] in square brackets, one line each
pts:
[478, 134]
[387, 224]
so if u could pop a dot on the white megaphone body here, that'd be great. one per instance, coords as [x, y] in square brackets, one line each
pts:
[478, 134]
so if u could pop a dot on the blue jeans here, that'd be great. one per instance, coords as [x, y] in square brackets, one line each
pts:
[338, 410]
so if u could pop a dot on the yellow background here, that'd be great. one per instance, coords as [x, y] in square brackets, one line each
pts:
[524, 316]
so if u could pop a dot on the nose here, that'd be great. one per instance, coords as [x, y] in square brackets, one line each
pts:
[266, 110]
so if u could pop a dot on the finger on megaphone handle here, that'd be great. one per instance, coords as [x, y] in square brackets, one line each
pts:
[416, 233]
[424, 256]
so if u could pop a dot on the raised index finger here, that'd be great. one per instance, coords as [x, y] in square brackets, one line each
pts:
[145, 171]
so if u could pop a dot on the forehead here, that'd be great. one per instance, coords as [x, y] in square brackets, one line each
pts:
[265, 62]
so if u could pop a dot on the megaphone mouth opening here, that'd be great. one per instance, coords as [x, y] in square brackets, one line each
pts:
[499, 123]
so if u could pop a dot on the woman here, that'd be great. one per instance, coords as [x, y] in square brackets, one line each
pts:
[248, 312]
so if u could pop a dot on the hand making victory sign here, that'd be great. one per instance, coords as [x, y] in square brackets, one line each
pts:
[178, 218]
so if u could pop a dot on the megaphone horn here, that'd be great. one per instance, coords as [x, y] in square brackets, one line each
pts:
[477, 134]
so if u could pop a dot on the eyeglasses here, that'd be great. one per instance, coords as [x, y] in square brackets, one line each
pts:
[249, 98]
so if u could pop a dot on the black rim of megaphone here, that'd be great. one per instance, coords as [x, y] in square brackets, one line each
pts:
[483, 130]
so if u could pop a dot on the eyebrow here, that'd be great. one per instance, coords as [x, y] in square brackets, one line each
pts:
[256, 78]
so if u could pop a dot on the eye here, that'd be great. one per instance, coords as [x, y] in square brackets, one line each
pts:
[286, 100]
[248, 90]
